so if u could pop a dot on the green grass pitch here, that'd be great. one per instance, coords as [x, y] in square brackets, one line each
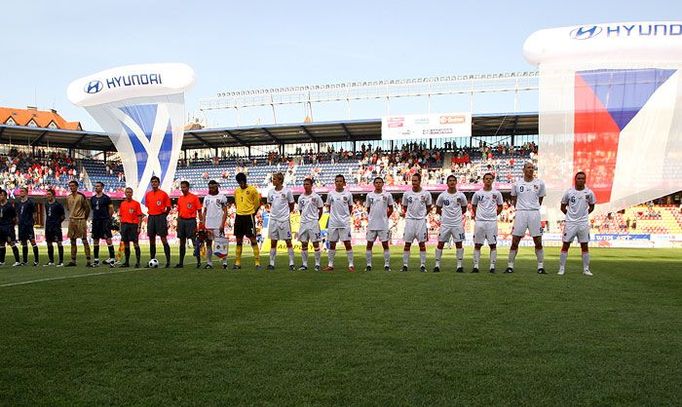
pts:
[86, 337]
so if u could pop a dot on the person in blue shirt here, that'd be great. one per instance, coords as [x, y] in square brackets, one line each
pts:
[26, 213]
[8, 218]
[54, 216]
[102, 212]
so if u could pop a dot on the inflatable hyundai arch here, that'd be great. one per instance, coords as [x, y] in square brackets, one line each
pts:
[142, 108]
[610, 105]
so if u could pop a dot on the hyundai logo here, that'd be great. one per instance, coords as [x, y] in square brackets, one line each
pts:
[93, 87]
[585, 33]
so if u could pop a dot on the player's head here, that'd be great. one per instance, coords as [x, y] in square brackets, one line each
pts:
[277, 179]
[73, 186]
[99, 187]
[378, 184]
[213, 187]
[241, 179]
[528, 169]
[129, 193]
[3, 195]
[308, 185]
[184, 187]
[339, 182]
[155, 181]
[23, 192]
[488, 180]
[580, 178]
[452, 182]
[50, 194]
[416, 180]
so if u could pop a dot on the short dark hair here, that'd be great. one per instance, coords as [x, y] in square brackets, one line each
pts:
[241, 177]
[73, 182]
[342, 177]
[309, 180]
[578, 173]
[154, 178]
[3, 192]
[378, 178]
[489, 173]
[100, 182]
[213, 182]
[186, 183]
[23, 189]
[451, 176]
[418, 175]
[50, 191]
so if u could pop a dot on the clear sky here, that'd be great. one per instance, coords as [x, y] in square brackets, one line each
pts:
[253, 44]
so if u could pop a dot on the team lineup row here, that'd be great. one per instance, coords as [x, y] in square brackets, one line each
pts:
[527, 196]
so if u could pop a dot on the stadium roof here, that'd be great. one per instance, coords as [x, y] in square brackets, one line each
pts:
[321, 132]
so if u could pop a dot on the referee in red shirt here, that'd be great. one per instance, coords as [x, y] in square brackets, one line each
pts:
[158, 206]
[188, 208]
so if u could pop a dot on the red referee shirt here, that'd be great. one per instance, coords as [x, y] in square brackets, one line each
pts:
[188, 206]
[129, 212]
[157, 202]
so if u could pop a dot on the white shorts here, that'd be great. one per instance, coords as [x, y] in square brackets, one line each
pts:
[309, 232]
[529, 220]
[415, 229]
[336, 234]
[279, 230]
[456, 232]
[573, 230]
[373, 235]
[485, 230]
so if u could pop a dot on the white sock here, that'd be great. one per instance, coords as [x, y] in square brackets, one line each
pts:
[586, 260]
[439, 254]
[493, 258]
[477, 257]
[512, 256]
[209, 254]
[304, 257]
[291, 256]
[368, 257]
[422, 257]
[460, 257]
[562, 260]
[406, 257]
[318, 256]
[273, 253]
[349, 254]
[540, 253]
[330, 257]
[387, 258]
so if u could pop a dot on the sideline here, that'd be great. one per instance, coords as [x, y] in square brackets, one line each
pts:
[101, 273]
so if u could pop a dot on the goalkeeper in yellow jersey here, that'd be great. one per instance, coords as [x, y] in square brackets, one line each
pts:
[247, 199]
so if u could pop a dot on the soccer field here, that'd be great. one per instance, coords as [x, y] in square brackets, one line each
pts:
[200, 337]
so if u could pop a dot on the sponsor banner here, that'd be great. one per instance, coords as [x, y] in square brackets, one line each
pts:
[417, 127]
[610, 236]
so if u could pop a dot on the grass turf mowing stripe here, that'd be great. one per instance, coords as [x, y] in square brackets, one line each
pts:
[69, 277]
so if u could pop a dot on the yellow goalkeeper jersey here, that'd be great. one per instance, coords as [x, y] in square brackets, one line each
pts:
[247, 200]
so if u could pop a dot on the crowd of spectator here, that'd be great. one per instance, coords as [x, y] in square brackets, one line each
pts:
[36, 171]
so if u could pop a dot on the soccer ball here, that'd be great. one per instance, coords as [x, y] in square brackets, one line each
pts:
[153, 264]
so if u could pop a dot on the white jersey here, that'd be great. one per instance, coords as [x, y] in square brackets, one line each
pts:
[578, 204]
[528, 194]
[339, 211]
[279, 204]
[486, 203]
[309, 206]
[451, 208]
[416, 203]
[214, 205]
[378, 205]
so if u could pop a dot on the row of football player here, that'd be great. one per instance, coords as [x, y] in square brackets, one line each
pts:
[527, 195]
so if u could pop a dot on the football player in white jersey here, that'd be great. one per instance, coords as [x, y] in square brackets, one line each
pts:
[577, 203]
[451, 206]
[379, 206]
[310, 206]
[281, 202]
[416, 205]
[486, 204]
[214, 215]
[340, 204]
[527, 195]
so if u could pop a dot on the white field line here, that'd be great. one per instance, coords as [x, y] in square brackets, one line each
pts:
[101, 273]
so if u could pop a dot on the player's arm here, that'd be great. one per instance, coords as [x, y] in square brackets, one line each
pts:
[389, 210]
[224, 219]
[499, 209]
[591, 203]
[256, 206]
[168, 204]
[291, 201]
[542, 193]
[541, 199]
[564, 208]
[140, 217]
[473, 210]
[63, 214]
[320, 209]
[564, 203]
[86, 206]
[35, 215]
[111, 209]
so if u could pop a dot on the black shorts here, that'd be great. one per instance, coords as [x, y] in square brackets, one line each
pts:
[157, 225]
[244, 225]
[129, 232]
[26, 232]
[101, 229]
[7, 234]
[53, 233]
[186, 228]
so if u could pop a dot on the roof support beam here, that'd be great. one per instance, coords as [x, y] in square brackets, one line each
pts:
[236, 138]
[37, 140]
[309, 134]
[345, 130]
[269, 133]
[77, 143]
[201, 140]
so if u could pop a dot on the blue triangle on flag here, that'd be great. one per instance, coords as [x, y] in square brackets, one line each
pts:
[625, 91]
[143, 115]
